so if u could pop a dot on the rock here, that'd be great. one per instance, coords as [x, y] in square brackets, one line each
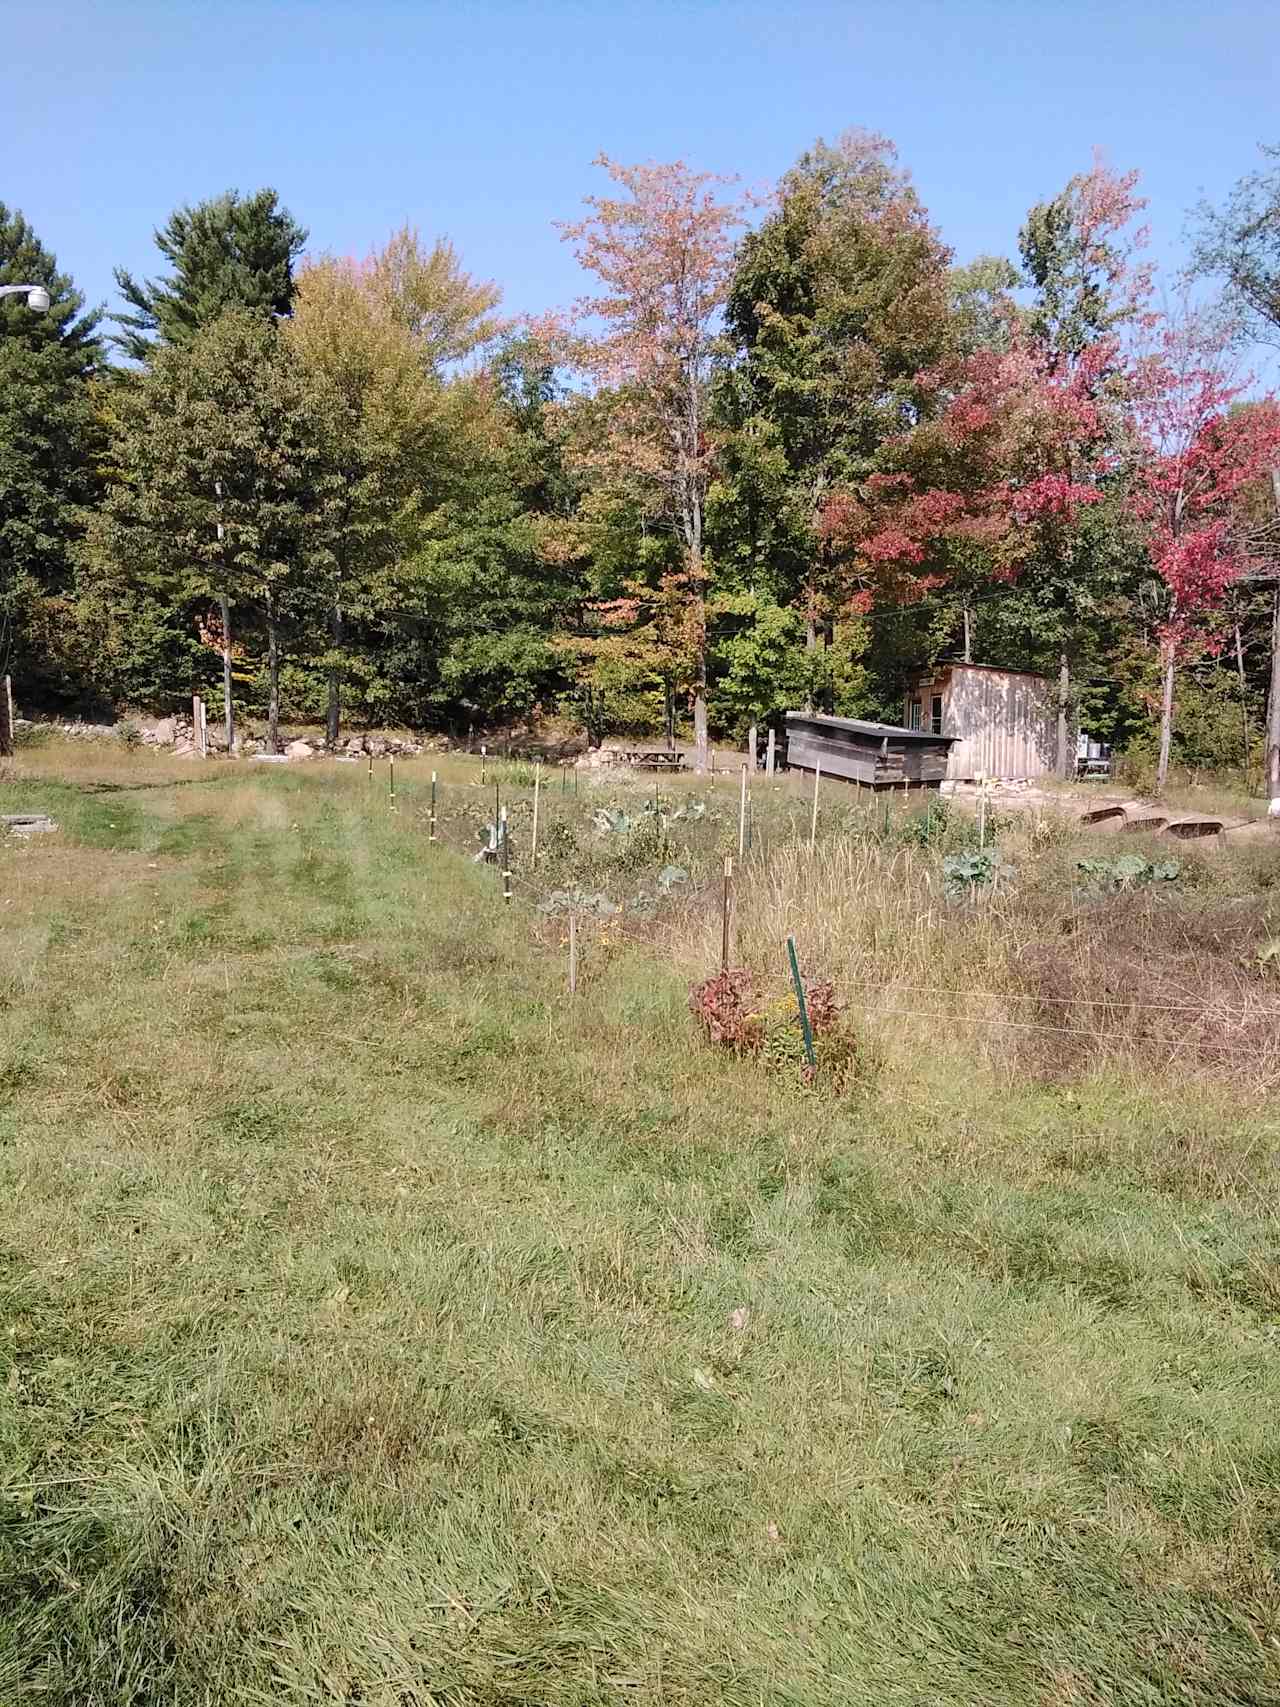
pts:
[183, 749]
[268, 758]
[299, 750]
[164, 732]
[378, 747]
[27, 823]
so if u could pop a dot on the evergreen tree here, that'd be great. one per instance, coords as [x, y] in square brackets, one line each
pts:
[46, 463]
[231, 251]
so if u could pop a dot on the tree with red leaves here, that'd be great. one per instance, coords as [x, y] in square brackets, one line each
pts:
[662, 252]
[1018, 441]
[1198, 450]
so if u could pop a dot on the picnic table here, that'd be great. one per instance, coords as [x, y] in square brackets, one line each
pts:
[653, 759]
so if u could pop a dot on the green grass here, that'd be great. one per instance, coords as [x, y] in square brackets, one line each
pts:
[377, 1327]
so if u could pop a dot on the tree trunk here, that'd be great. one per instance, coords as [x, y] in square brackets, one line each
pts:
[1273, 696]
[1167, 659]
[228, 712]
[1244, 709]
[810, 648]
[1064, 694]
[1273, 709]
[700, 708]
[968, 638]
[333, 715]
[273, 676]
[669, 712]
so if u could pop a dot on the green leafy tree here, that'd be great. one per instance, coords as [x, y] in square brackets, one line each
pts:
[227, 486]
[837, 303]
[231, 251]
[47, 440]
[1239, 243]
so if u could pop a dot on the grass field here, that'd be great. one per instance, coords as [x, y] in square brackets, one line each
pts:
[378, 1327]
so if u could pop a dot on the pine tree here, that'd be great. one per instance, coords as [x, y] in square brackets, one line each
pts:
[46, 465]
[231, 251]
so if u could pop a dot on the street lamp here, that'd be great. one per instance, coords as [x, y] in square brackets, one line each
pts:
[37, 296]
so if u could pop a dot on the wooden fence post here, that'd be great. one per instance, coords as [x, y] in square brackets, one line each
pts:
[742, 817]
[752, 746]
[6, 719]
[771, 754]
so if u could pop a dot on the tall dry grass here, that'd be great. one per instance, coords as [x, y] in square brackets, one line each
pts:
[1030, 976]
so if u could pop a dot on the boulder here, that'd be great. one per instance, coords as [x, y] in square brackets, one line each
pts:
[299, 750]
[164, 732]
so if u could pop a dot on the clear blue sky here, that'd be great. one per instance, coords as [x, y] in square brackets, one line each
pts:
[479, 120]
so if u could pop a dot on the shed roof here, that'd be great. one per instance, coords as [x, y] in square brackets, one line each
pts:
[860, 726]
[989, 669]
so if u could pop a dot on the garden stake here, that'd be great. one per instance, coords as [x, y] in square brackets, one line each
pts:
[432, 836]
[813, 822]
[533, 844]
[724, 913]
[796, 979]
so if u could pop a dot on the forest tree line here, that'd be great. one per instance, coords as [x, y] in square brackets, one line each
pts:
[785, 451]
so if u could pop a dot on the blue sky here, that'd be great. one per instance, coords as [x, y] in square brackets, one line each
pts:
[480, 120]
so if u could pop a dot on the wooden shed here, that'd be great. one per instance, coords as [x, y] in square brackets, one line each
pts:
[881, 755]
[1003, 723]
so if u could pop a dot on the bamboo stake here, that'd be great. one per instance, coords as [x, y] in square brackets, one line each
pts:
[813, 824]
[533, 844]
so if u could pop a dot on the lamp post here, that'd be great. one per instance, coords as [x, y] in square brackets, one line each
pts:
[37, 296]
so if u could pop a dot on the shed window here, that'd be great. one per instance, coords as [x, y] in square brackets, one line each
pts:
[935, 714]
[914, 721]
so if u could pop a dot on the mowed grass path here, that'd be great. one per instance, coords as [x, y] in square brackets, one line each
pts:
[375, 1328]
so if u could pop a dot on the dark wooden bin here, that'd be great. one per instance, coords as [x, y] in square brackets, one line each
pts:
[881, 755]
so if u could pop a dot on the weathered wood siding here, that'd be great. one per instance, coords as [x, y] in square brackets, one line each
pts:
[877, 755]
[1004, 721]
